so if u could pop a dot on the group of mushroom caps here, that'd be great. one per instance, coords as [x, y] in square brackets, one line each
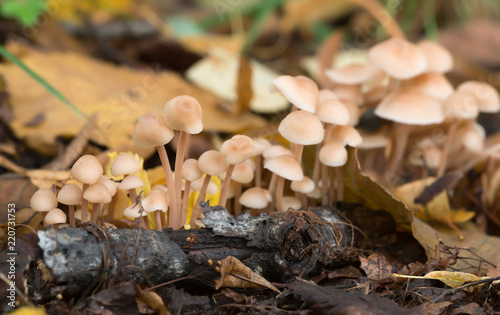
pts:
[404, 83]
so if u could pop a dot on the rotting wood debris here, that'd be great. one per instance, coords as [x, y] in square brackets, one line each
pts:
[280, 246]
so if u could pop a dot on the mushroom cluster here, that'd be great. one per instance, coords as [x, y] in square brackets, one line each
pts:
[402, 83]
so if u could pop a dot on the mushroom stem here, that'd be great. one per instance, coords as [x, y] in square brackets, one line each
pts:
[96, 210]
[163, 220]
[201, 197]
[185, 201]
[279, 193]
[332, 185]
[71, 214]
[225, 185]
[237, 204]
[158, 219]
[401, 133]
[145, 220]
[272, 188]
[258, 170]
[45, 225]
[339, 182]
[132, 194]
[324, 185]
[179, 159]
[317, 164]
[85, 206]
[173, 218]
[446, 148]
[299, 148]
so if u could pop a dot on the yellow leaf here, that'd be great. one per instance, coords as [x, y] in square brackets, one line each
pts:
[99, 10]
[48, 178]
[118, 94]
[437, 210]
[450, 278]
[29, 310]
[218, 73]
[453, 279]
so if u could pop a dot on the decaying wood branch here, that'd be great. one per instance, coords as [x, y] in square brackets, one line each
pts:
[278, 246]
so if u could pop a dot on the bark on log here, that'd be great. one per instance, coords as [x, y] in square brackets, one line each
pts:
[280, 246]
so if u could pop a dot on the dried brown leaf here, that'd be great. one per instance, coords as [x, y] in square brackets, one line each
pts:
[236, 275]
[376, 267]
[482, 249]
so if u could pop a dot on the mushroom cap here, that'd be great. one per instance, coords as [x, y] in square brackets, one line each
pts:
[212, 162]
[55, 216]
[125, 164]
[333, 111]
[407, 106]
[315, 194]
[353, 93]
[151, 131]
[43, 200]
[276, 150]
[487, 96]
[300, 91]
[472, 137]
[70, 194]
[285, 166]
[155, 200]
[161, 188]
[87, 169]
[345, 135]
[109, 183]
[398, 57]
[183, 113]
[431, 155]
[133, 211]
[306, 185]
[243, 173]
[131, 182]
[354, 73]
[333, 154]
[462, 105]
[191, 171]
[301, 127]
[431, 83]
[353, 109]
[325, 95]
[290, 202]
[97, 193]
[211, 189]
[255, 198]
[261, 144]
[237, 149]
[439, 59]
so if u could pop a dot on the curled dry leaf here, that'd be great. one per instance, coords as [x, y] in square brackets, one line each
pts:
[152, 299]
[362, 189]
[236, 275]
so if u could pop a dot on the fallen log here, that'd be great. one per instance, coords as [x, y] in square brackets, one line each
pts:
[279, 246]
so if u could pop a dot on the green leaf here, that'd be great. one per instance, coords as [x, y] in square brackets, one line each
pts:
[26, 12]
